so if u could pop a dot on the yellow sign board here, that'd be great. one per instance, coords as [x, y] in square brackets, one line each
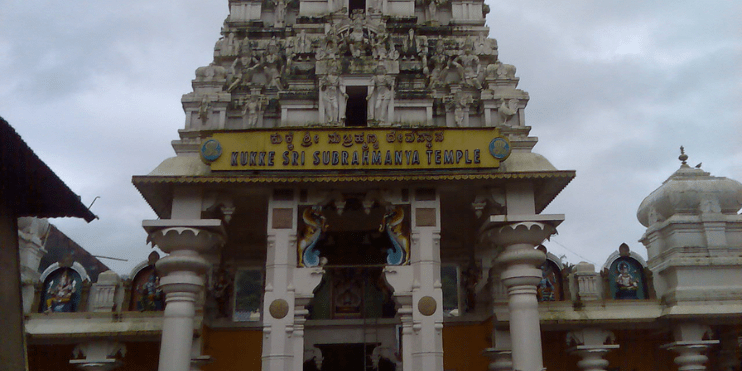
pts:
[356, 149]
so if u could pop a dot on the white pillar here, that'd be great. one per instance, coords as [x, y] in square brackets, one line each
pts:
[100, 355]
[520, 275]
[591, 344]
[690, 346]
[182, 280]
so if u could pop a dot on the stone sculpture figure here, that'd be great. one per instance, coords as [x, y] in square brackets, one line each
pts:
[433, 10]
[242, 69]
[333, 98]
[252, 109]
[439, 61]
[468, 66]
[508, 108]
[380, 95]
[460, 104]
[279, 14]
[229, 47]
[378, 46]
[357, 39]
[302, 43]
[203, 109]
[272, 63]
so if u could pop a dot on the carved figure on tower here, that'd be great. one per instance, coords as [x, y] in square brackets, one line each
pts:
[242, 69]
[252, 109]
[273, 64]
[333, 98]
[467, 65]
[279, 13]
[439, 62]
[380, 95]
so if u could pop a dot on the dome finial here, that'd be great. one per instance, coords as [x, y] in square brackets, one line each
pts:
[683, 157]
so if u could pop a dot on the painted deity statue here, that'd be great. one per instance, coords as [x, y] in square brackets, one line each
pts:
[59, 295]
[151, 294]
[626, 285]
[380, 95]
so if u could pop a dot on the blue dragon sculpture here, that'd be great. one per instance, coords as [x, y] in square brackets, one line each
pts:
[392, 222]
[316, 224]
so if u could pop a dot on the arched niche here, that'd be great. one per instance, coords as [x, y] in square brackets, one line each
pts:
[62, 288]
[624, 271]
[551, 287]
[146, 294]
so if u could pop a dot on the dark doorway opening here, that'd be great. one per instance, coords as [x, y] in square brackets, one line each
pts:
[346, 357]
[355, 112]
[356, 6]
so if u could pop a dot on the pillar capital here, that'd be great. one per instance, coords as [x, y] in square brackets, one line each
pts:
[197, 235]
[513, 232]
[101, 355]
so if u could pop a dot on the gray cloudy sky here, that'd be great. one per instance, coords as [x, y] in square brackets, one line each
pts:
[616, 87]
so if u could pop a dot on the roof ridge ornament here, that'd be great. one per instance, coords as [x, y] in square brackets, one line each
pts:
[683, 157]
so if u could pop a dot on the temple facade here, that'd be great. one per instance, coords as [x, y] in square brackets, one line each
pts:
[354, 188]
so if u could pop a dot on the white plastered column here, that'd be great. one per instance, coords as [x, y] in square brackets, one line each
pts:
[417, 288]
[182, 279]
[288, 290]
[690, 346]
[591, 344]
[520, 263]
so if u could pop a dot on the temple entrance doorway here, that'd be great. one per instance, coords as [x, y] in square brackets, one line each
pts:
[346, 357]
[356, 112]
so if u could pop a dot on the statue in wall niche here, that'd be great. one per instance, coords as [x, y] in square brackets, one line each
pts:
[467, 65]
[242, 69]
[460, 103]
[626, 284]
[302, 43]
[508, 108]
[279, 14]
[59, 294]
[433, 10]
[439, 61]
[380, 95]
[230, 45]
[252, 109]
[333, 98]
[151, 296]
[204, 108]
[374, 6]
